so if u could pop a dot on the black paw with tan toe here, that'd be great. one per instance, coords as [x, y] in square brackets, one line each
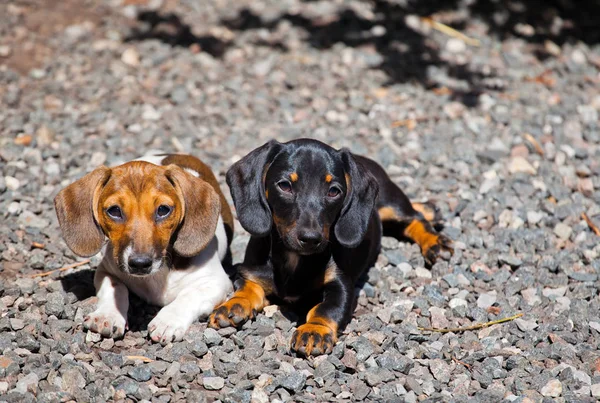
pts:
[313, 339]
[234, 312]
[441, 249]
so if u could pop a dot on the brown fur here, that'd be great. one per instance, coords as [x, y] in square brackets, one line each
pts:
[388, 214]
[77, 211]
[421, 235]
[138, 188]
[318, 334]
[249, 299]
[329, 275]
[282, 226]
[426, 210]
[188, 161]
[201, 207]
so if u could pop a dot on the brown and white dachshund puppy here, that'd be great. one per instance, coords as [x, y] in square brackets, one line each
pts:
[315, 215]
[168, 227]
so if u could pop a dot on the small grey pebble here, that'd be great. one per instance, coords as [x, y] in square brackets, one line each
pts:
[141, 373]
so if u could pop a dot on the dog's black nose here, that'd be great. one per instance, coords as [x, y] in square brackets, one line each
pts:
[309, 238]
[140, 263]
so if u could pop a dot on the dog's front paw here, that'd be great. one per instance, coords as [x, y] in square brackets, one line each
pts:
[313, 339]
[234, 312]
[108, 323]
[441, 248]
[168, 326]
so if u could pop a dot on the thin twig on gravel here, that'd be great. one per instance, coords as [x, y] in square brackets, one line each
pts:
[591, 224]
[534, 143]
[445, 29]
[545, 78]
[37, 245]
[456, 360]
[474, 327]
[139, 357]
[409, 123]
[47, 273]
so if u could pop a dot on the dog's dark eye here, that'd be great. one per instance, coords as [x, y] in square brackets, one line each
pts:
[333, 192]
[115, 213]
[163, 211]
[285, 186]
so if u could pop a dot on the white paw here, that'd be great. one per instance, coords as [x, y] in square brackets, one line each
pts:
[108, 323]
[168, 326]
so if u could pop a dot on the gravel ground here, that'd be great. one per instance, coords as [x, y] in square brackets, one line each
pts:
[504, 137]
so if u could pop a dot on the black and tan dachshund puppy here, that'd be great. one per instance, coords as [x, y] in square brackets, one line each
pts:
[316, 216]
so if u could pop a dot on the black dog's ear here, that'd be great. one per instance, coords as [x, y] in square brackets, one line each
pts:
[246, 180]
[361, 195]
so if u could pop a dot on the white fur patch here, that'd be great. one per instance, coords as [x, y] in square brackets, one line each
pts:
[192, 172]
[110, 316]
[158, 159]
[153, 159]
[127, 254]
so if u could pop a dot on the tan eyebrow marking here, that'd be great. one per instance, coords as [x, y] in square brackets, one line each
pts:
[328, 178]
[294, 176]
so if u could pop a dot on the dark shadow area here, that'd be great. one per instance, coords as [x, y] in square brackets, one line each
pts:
[560, 21]
[169, 29]
[140, 313]
[81, 284]
[537, 21]
[408, 55]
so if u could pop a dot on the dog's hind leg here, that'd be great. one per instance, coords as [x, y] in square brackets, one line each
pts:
[403, 219]
[417, 229]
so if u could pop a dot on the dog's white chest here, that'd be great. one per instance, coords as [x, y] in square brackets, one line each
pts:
[162, 287]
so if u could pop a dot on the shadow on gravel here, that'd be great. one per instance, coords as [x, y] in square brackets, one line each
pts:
[169, 29]
[560, 21]
[408, 55]
[81, 283]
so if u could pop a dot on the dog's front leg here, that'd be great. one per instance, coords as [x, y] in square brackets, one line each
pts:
[319, 334]
[110, 317]
[197, 300]
[249, 298]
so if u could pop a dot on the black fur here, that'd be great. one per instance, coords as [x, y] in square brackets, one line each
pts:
[245, 179]
[300, 235]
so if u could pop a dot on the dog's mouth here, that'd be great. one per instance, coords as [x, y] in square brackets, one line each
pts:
[304, 250]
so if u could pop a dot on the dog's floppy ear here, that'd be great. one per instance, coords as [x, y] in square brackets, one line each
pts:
[246, 180]
[201, 209]
[77, 211]
[361, 195]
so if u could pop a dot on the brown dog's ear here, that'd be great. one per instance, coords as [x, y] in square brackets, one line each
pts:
[201, 209]
[77, 210]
